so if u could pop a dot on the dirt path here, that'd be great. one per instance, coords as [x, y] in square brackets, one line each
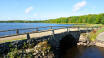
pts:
[100, 37]
[100, 40]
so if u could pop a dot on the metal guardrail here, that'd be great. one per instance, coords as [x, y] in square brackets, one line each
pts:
[51, 28]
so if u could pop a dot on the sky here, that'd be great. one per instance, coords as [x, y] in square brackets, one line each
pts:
[48, 9]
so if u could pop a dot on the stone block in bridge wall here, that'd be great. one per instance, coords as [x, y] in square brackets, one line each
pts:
[75, 34]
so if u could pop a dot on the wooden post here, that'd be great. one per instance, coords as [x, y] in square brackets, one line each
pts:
[53, 32]
[37, 29]
[67, 29]
[53, 35]
[28, 36]
[87, 29]
[78, 29]
[17, 31]
[51, 27]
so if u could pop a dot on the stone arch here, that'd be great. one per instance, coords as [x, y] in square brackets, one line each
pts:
[68, 41]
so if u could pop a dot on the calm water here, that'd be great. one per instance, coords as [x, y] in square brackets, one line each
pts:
[84, 52]
[6, 26]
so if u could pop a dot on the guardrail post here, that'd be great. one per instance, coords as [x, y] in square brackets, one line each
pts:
[17, 31]
[51, 27]
[67, 29]
[37, 29]
[87, 29]
[53, 32]
[28, 36]
[78, 29]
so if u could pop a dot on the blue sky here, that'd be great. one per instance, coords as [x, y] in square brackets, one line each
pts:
[48, 9]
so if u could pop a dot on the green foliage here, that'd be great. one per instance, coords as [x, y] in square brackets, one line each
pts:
[13, 52]
[90, 19]
[100, 30]
[92, 36]
[20, 21]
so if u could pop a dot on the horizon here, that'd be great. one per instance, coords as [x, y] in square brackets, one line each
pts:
[49, 19]
[42, 10]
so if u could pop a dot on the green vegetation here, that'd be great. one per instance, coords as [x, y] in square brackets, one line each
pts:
[20, 21]
[92, 35]
[84, 19]
[90, 19]
[87, 25]
[100, 30]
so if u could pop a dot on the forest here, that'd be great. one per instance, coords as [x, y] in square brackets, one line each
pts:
[20, 21]
[89, 19]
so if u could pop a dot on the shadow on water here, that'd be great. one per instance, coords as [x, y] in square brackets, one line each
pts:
[69, 49]
[84, 52]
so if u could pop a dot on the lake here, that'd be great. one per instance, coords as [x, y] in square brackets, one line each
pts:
[84, 52]
[7, 26]
[74, 52]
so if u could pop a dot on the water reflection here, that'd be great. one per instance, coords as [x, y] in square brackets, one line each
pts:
[84, 52]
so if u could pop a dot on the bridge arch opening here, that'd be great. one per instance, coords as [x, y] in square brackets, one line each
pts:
[67, 42]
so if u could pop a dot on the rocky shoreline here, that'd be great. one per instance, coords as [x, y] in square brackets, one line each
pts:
[86, 42]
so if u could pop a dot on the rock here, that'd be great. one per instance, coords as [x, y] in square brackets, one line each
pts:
[42, 48]
[83, 40]
[100, 37]
[100, 40]
[100, 44]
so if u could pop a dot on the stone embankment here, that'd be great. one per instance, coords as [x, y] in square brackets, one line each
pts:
[84, 40]
[41, 50]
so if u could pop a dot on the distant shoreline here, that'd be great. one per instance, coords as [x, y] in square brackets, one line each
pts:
[36, 22]
[84, 19]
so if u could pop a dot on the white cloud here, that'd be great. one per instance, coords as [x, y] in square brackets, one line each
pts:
[35, 15]
[29, 9]
[79, 5]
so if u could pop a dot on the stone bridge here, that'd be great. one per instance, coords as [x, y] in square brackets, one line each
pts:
[56, 38]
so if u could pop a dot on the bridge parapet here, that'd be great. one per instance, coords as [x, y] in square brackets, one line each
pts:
[40, 33]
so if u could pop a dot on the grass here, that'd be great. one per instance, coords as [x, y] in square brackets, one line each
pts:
[92, 35]
[88, 25]
[101, 30]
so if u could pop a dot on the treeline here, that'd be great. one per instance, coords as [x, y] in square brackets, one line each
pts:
[20, 21]
[90, 19]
